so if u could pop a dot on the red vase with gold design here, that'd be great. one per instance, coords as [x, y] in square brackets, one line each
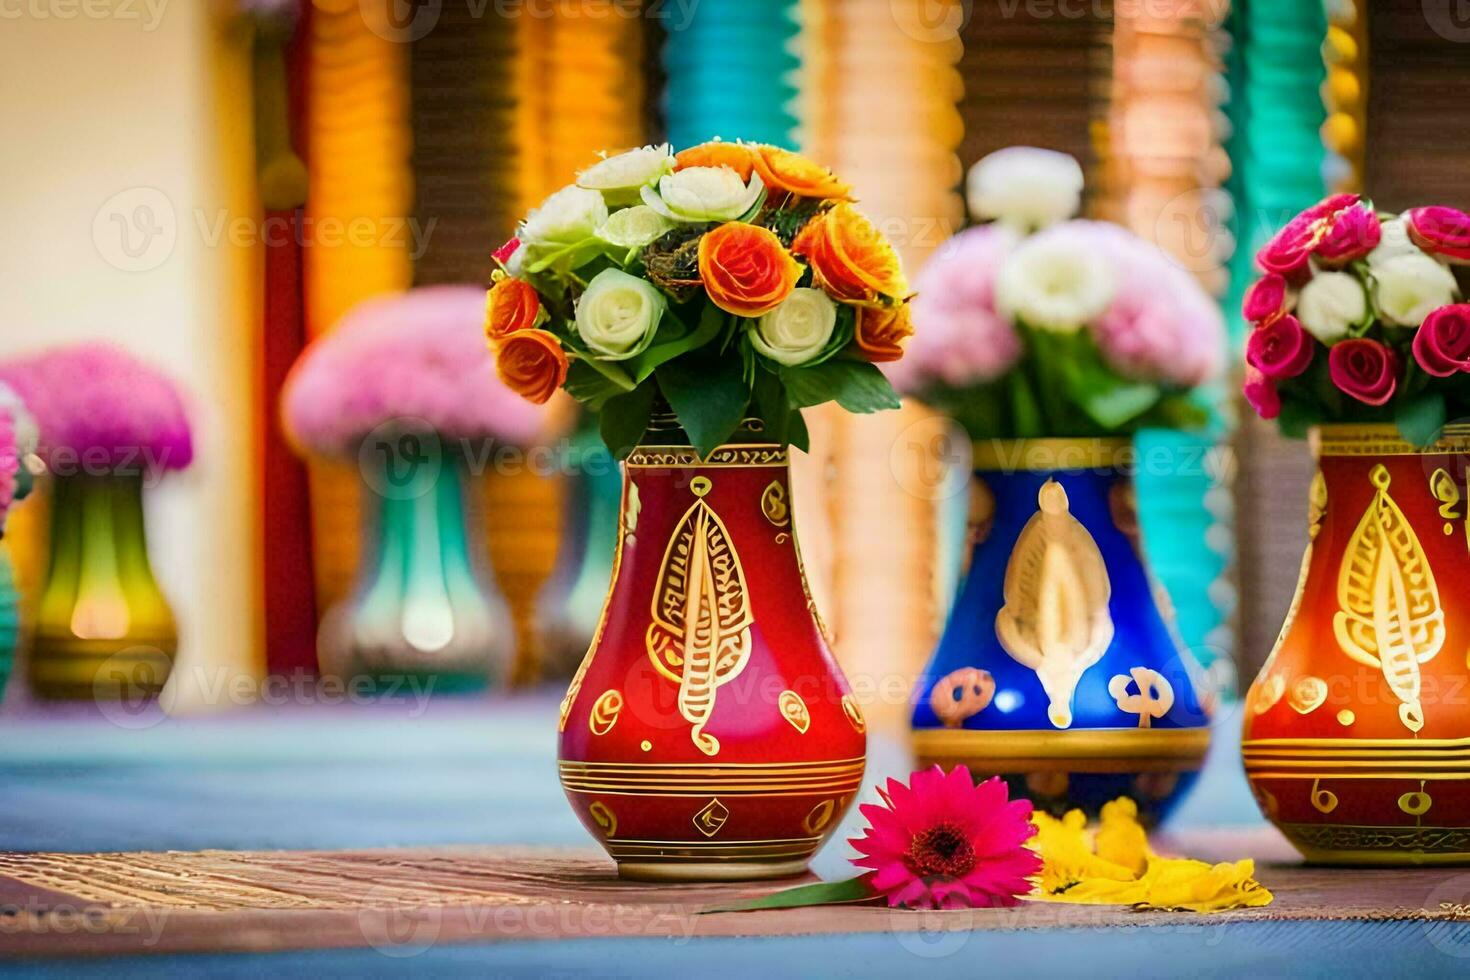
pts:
[1357, 729]
[709, 734]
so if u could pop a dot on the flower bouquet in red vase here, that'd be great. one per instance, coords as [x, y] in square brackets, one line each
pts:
[1357, 728]
[699, 302]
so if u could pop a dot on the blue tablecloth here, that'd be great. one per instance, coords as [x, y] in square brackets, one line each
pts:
[482, 771]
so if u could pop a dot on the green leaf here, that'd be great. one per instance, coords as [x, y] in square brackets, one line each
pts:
[711, 319]
[1114, 405]
[590, 386]
[822, 893]
[857, 386]
[770, 404]
[1420, 419]
[796, 434]
[611, 370]
[1296, 418]
[625, 419]
[1025, 413]
[709, 396]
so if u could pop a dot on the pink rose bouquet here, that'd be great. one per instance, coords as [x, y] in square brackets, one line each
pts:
[1357, 318]
[1035, 325]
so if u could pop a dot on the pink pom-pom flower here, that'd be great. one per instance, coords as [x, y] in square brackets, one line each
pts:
[9, 461]
[959, 337]
[1158, 326]
[419, 357]
[99, 407]
[1161, 324]
[941, 842]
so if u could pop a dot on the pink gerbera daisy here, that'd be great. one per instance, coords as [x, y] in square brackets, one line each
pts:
[944, 843]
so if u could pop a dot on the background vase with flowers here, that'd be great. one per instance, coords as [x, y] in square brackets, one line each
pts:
[404, 389]
[1052, 341]
[698, 302]
[110, 427]
[17, 450]
[1354, 733]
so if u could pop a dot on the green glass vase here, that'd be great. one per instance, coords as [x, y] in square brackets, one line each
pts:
[103, 630]
[425, 615]
[9, 617]
[571, 603]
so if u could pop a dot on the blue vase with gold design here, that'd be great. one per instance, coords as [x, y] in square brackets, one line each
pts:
[1058, 668]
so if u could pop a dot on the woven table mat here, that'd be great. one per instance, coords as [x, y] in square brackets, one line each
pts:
[401, 901]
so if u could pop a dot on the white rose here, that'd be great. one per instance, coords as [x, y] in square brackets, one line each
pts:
[634, 227]
[797, 330]
[620, 178]
[1025, 187]
[618, 314]
[703, 194]
[515, 265]
[1409, 287]
[1331, 304]
[569, 216]
[1393, 241]
[1054, 283]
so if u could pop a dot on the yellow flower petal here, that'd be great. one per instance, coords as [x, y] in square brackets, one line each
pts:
[1115, 866]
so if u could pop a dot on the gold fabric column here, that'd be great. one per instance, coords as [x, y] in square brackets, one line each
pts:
[894, 63]
[356, 224]
[1164, 137]
[578, 80]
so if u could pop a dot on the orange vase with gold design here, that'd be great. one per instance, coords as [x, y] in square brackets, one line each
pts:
[709, 734]
[1357, 729]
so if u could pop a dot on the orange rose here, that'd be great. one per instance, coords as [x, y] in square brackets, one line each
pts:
[511, 305]
[881, 331]
[850, 257]
[737, 156]
[745, 269]
[783, 170]
[532, 364]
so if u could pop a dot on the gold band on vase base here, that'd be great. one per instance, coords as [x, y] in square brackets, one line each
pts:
[1050, 455]
[712, 871]
[1090, 750]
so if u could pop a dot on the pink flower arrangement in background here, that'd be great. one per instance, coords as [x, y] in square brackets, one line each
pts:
[1062, 315]
[9, 462]
[1380, 293]
[418, 357]
[98, 406]
[965, 340]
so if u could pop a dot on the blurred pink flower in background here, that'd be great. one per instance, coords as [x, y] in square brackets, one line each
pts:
[959, 338]
[1160, 325]
[98, 404]
[419, 357]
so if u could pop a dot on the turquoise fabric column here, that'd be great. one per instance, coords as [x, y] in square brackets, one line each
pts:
[1276, 111]
[1274, 73]
[730, 73]
[9, 617]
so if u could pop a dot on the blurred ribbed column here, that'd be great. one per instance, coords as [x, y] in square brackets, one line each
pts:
[577, 90]
[1276, 155]
[357, 231]
[878, 103]
[1035, 77]
[1345, 93]
[730, 71]
[1417, 111]
[1167, 165]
